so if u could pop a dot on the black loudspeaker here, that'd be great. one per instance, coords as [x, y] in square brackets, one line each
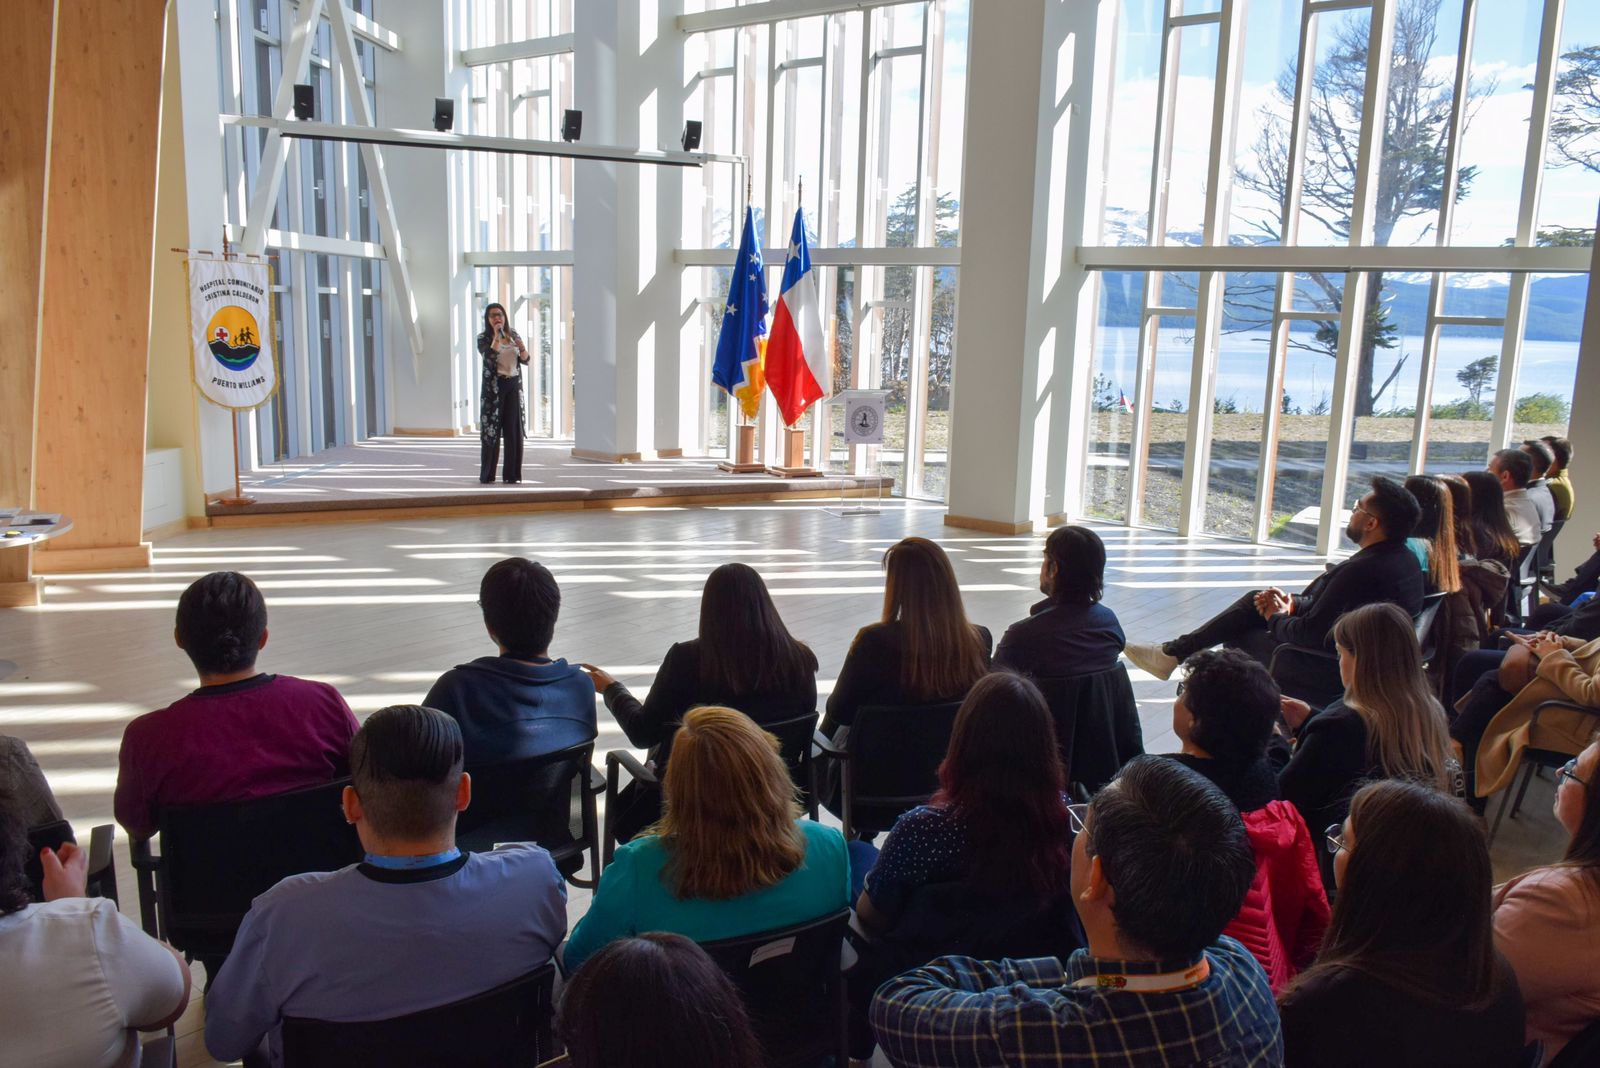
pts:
[444, 113]
[305, 102]
[571, 125]
[691, 135]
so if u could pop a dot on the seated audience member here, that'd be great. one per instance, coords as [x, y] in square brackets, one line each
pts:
[520, 703]
[1070, 632]
[1558, 477]
[1461, 510]
[1226, 708]
[244, 733]
[1408, 973]
[80, 979]
[1387, 725]
[24, 783]
[1492, 533]
[1160, 866]
[1262, 620]
[1586, 579]
[984, 868]
[744, 658]
[1514, 470]
[1433, 541]
[1493, 721]
[655, 1001]
[415, 925]
[1547, 921]
[731, 855]
[1539, 492]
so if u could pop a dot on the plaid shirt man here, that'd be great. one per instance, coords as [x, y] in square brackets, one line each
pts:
[962, 1013]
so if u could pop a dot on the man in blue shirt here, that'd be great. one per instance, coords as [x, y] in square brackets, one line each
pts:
[416, 925]
[1160, 864]
[520, 703]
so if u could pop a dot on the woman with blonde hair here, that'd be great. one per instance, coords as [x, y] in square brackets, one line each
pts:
[1388, 724]
[730, 856]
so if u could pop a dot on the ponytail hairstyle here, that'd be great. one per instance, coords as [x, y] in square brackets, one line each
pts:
[1461, 504]
[1437, 527]
[221, 620]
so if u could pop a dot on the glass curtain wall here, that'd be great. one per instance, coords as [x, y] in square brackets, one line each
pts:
[1483, 148]
[328, 305]
[858, 118]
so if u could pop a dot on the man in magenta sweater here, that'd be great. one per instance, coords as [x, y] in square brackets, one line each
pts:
[243, 733]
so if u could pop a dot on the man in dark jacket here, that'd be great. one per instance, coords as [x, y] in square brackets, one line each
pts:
[1262, 620]
[520, 703]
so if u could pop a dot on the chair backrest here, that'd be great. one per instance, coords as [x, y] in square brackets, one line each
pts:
[215, 859]
[509, 1025]
[1097, 724]
[984, 921]
[895, 752]
[1425, 622]
[533, 799]
[1582, 1051]
[792, 986]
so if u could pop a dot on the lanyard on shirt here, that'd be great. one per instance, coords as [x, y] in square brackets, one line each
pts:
[1160, 983]
[407, 863]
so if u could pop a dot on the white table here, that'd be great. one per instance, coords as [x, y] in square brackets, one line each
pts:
[30, 534]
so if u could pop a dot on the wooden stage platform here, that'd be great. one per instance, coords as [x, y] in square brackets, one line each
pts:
[393, 477]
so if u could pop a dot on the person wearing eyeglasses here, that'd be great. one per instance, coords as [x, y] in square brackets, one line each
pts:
[1408, 973]
[1547, 921]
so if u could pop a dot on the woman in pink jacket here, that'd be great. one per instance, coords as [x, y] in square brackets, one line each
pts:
[1547, 921]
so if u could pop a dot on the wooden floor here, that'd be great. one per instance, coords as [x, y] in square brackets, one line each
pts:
[381, 609]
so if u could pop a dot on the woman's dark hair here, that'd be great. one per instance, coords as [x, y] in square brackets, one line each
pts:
[744, 646]
[1080, 559]
[1491, 529]
[1437, 526]
[1583, 852]
[1461, 510]
[15, 850]
[1234, 703]
[405, 765]
[941, 653]
[487, 329]
[655, 1001]
[221, 618]
[1003, 776]
[520, 602]
[1413, 910]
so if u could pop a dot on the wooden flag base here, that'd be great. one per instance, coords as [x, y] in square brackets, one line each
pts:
[235, 502]
[794, 457]
[744, 456]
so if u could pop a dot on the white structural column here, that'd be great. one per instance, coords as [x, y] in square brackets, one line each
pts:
[418, 185]
[1023, 361]
[1584, 433]
[626, 285]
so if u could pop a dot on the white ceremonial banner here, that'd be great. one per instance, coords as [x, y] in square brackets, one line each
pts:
[230, 314]
[863, 415]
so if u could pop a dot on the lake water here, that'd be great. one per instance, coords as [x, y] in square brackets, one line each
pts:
[1547, 367]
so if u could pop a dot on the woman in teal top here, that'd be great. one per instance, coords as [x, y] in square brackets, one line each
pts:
[731, 855]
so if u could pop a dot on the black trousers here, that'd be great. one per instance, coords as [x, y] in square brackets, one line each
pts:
[510, 433]
[1239, 625]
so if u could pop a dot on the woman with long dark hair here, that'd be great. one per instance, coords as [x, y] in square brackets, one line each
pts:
[1461, 509]
[1408, 972]
[730, 856]
[1433, 539]
[1492, 535]
[500, 402]
[983, 869]
[655, 1001]
[744, 657]
[1547, 921]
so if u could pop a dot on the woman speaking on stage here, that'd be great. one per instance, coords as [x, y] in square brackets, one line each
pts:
[500, 413]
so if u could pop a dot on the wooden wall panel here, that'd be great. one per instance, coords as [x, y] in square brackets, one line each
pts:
[95, 311]
[24, 136]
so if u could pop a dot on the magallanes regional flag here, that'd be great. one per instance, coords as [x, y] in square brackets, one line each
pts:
[230, 312]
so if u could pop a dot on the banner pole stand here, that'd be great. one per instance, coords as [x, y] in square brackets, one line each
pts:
[238, 500]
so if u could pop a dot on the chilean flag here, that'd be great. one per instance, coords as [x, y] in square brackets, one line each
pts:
[798, 371]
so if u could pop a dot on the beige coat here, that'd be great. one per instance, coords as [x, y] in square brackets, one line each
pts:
[1570, 675]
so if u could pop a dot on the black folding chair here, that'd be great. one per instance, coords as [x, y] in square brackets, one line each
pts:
[102, 881]
[889, 763]
[1532, 759]
[794, 746]
[1310, 675]
[1544, 575]
[507, 1026]
[1097, 724]
[531, 800]
[793, 988]
[1426, 623]
[215, 859]
[1523, 577]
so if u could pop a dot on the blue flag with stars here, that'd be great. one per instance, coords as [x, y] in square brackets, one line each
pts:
[742, 343]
